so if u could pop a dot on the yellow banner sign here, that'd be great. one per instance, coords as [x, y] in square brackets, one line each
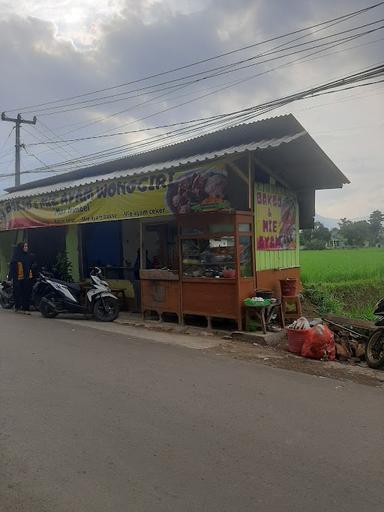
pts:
[150, 195]
[276, 220]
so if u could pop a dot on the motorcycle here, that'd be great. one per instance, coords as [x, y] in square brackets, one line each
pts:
[63, 297]
[374, 352]
[6, 295]
[7, 300]
[40, 288]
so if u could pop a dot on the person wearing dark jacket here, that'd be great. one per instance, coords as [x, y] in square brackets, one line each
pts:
[21, 274]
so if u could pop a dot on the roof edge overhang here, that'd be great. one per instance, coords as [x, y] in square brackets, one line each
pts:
[290, 141]
[203, 159]
[268, 128]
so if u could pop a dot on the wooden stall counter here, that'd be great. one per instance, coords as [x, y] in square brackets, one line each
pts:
[160, 292]
[211, 298]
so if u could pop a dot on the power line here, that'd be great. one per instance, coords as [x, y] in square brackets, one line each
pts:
[218, 71]
[6, 140]
[202, 61]
[53, 148]
[168, 136]
[103, 119]
[129, 132]
[46, 127]
[254, 111]
[346, 99]
[29, 153]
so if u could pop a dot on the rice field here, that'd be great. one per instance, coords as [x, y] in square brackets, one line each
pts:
[335, 266]
[344, 281]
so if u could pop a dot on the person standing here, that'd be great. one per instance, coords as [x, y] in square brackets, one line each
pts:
[21, 274]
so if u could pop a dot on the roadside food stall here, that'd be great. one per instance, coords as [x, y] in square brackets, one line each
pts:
[212, 270]
[188, 230]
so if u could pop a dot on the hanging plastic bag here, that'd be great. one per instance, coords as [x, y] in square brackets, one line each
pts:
[321, 345]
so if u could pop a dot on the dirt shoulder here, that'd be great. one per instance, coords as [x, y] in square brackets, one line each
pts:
[280, 358]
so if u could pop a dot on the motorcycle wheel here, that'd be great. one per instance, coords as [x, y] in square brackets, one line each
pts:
[374, 352]
[106, 309]
[46, 309]
[5, 304]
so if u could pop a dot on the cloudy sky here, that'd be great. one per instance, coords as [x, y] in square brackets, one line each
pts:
[51, 50]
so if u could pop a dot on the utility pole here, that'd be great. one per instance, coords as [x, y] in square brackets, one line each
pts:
[18, 122]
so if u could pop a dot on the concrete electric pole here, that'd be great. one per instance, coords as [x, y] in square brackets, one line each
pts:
[18, 122]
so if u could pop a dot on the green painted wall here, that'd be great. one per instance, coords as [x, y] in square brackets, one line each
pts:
[72, 247]
[275, 259]
[122, 284]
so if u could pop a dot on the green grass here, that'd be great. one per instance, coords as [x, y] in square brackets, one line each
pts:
[332, 266]
[345, 281]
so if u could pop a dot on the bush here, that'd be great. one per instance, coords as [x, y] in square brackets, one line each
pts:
[323, 301]
[63, 268]
[315, 245]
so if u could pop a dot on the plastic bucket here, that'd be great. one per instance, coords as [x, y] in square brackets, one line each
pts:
[296, 339]
[288, 287]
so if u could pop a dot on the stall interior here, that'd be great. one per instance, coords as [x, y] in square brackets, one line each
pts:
[102, 247]
[159, 242]
[47, 255]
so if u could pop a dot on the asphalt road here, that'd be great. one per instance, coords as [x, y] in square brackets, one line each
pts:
[92, 421]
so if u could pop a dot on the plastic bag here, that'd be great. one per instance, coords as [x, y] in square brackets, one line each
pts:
[321, 345]
[300, 324]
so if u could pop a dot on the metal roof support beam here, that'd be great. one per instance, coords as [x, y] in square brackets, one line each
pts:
[273, 174]
[237, 170]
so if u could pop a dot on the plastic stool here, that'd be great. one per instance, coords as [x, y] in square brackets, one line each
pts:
[291, 300]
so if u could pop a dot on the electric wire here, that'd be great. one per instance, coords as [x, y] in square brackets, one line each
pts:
[79, 139]
[257, 110]
[231, 84]
[229, 68]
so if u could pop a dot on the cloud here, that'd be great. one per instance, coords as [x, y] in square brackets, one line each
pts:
[46, 54]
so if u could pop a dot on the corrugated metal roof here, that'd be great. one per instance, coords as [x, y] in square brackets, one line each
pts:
[158, 166]
[242, 134]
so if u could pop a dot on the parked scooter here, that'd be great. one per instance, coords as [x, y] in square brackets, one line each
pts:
[7, 300]
[40, 288]
[6, 294]
[374, 352]
[63, 297]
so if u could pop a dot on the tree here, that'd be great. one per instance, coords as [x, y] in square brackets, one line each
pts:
[316, 238]
[376, 220]
[355, 233]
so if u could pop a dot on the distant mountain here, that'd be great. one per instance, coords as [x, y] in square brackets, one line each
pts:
[327, 222]
[333, 223]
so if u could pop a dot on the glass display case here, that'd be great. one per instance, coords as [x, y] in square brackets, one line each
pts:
[216, 264]
[209, 257]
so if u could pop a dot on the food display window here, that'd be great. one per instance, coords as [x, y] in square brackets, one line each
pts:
[214, 255]
[209, 257]
[216, 263]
